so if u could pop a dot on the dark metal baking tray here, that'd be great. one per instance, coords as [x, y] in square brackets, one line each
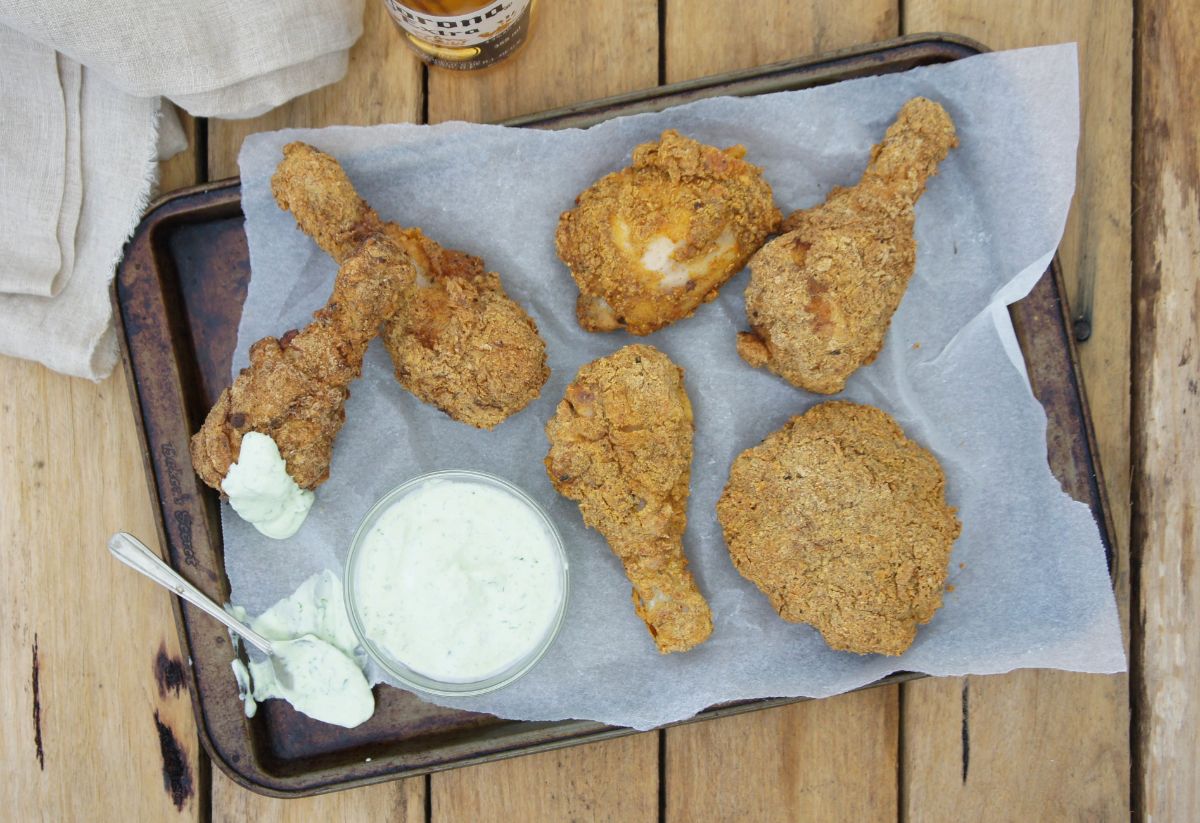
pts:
[179, 293]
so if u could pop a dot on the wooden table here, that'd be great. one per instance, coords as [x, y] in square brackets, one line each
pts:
[94, 723]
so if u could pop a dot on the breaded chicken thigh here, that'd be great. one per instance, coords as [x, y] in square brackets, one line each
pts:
[459, 342]
[842, 522]
[821, 296]
[648, 244]
[621, 445]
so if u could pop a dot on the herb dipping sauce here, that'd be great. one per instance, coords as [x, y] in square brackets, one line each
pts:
[460, 579]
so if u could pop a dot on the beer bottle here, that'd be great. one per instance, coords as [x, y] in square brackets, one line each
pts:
[462, 34]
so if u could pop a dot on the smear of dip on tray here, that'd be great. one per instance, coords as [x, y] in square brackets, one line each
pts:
[459, 580]
[324, 666]
[262, 492]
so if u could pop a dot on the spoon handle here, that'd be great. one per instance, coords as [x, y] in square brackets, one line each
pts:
[134, 554]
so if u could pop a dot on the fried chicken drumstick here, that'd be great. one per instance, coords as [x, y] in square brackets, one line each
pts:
[621, 445]
[821, 296]
[648, 244]
[458, 341]
[295, 388]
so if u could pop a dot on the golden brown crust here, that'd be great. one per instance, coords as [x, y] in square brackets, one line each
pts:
[295, 388]
[459, 342]
[821, 296]
[314, 188]
[648, 244]
[621, 445]
[467, 349]
[842, 522]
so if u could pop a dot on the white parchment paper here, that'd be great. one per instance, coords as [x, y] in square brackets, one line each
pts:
[1030, 584]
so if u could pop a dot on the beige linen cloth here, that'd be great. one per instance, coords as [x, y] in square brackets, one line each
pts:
[83, 125]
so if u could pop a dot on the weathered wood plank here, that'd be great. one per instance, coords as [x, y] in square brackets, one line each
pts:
[1055, 744]
[1166, 392]
[95, 723]
[724, 35]
[823, 760]
[382, 85]
[1024, 752]
[613, 780]
[827, 760]
[575, 52]
[401, 801]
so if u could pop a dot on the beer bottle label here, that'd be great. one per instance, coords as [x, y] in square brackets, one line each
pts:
[458, 30]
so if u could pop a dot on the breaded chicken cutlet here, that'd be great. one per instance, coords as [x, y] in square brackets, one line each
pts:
[821, 296]
[295, 388]
[621, 445]
[842, 522]
[458, 342]
[648, 244]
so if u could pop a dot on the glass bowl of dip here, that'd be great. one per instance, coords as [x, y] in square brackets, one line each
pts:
[456, 583]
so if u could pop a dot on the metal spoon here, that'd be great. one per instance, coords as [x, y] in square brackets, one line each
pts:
[134, 554]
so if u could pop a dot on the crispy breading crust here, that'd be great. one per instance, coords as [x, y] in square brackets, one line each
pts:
[621, 445]
[314, 188]
[295, 388]
[677, 188]
[459, 342]
[842, 522]
[821, 296]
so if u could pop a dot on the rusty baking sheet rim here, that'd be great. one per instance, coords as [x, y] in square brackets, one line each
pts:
[832, 67]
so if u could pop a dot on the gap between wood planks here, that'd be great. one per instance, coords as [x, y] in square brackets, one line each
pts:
[1136, 669]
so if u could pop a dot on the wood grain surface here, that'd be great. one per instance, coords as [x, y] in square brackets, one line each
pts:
[1167, 412]
[184, 168]
[826, 760]
[575, 52]
[612, 780]
[96, 721]
[401, 801]
[723, 35]
[95, 727]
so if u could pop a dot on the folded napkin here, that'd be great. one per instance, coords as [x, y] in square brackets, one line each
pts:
[83, 125]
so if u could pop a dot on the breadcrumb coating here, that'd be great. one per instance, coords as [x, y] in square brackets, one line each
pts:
[842, 522]
[621, 445]
[459, 342]
[648, 244]
[822, 295]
